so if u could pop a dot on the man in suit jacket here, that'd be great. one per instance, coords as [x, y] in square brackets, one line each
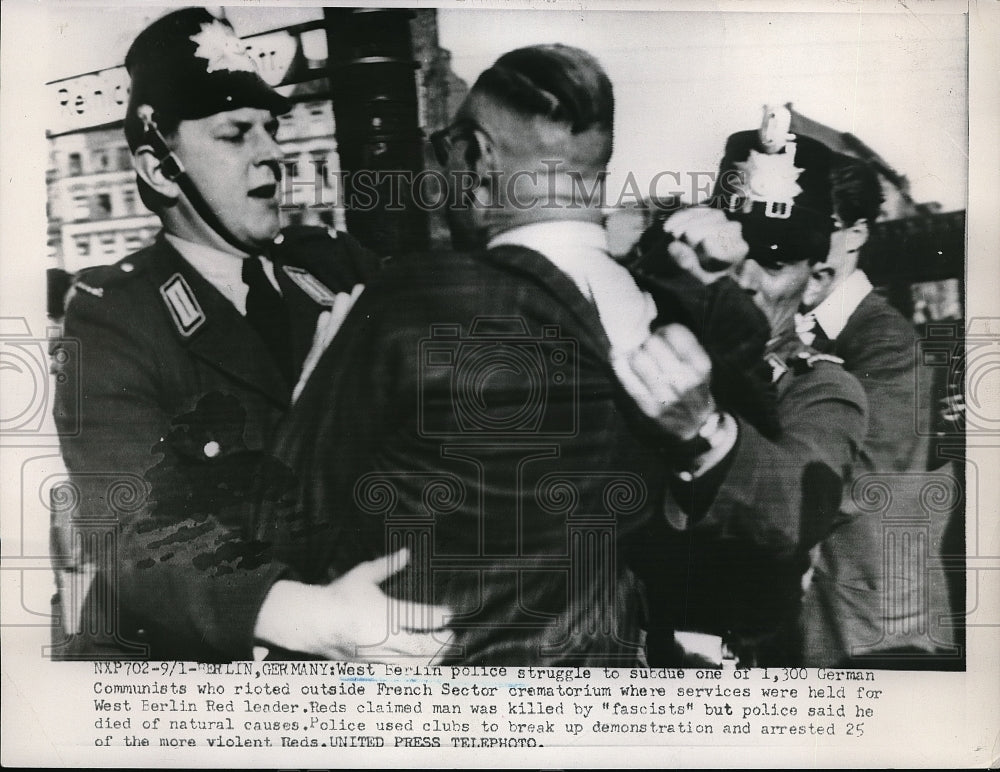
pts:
[471, 406]
[511, 415]
[189, 351]
[854, 605]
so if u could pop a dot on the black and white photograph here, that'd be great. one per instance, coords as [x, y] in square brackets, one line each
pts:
[485, 383]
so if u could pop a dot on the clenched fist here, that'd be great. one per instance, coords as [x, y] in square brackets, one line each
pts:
[707, 244]
[668, 376]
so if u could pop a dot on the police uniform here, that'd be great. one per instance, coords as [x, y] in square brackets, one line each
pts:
[733, 567]
[164, 438]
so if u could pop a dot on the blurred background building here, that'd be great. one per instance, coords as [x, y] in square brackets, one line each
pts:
[94, 212]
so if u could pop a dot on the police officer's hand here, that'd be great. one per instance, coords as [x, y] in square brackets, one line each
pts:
[351, 618]
[668, 376]
[706, 243]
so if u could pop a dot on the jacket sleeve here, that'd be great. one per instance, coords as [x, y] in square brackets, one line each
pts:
[176, 561]
[782, 495]
[884, 362]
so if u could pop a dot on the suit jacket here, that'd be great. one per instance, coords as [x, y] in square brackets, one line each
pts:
[861, 600]
[177, 398]
[467, 409]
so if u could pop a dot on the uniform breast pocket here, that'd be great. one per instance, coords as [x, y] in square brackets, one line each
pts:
[205, 467]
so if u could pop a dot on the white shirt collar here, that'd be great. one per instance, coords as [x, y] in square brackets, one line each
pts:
[223, 270]
[832, 314]
[568, 244]
[580, 250]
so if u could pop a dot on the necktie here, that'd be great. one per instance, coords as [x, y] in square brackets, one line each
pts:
[267, 314]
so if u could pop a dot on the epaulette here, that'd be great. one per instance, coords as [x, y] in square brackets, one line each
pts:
[791, 353]
[95, 280]
[807, 358]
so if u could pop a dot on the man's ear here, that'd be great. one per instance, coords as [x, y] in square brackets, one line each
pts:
[483, 160]
[150, 170]
[482, 155]
[856, 236]
[821, 278]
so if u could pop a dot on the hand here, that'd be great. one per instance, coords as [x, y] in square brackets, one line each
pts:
[327, 325]
[707, 244]
[351, 618]
[668, 376]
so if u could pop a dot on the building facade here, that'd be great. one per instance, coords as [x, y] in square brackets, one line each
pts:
[95, 214]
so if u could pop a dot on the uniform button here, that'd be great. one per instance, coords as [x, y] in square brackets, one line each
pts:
[128, 267]
[279, 238]
[212, 449]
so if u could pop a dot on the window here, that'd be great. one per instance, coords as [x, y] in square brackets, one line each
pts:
[81, 207]
[102, 205]
[107, 243]
[74, 165]
[322, 168]
[101, 161]
[82, 244]
[128, 200]
[124, 158]
[133, 242]
[292, 167]
[326, 217]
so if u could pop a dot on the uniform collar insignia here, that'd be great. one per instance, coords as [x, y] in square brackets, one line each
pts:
[184, 309]
[313, 287]
[778, 367]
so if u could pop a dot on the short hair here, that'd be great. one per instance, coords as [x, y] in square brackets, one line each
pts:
[856, 190]
[557, 82]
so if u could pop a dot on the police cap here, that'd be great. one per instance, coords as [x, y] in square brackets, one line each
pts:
[777, 185]
[190, 64]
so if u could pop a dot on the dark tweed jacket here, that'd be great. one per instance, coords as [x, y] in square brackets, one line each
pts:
[467, 409]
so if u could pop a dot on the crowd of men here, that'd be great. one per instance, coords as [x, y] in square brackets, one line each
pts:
[526, 452]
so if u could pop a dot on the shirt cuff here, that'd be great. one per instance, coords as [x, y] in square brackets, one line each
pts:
[720, 439]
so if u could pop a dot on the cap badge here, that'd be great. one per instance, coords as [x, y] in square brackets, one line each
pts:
[770, 179]
[222, 49]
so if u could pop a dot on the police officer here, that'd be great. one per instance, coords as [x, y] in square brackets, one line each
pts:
[189, 352]
[734, 569]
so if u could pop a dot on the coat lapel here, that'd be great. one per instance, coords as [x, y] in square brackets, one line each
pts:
[211, 327]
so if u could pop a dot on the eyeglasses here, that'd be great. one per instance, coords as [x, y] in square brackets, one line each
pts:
[443, 140]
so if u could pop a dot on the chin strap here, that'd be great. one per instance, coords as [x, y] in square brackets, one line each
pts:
[174, 171]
